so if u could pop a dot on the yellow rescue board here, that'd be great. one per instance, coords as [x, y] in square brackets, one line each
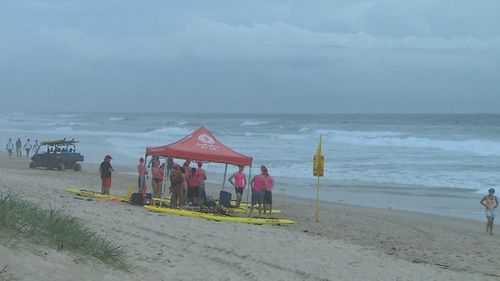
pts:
[93, 195]
[181, 212]
[241, 210]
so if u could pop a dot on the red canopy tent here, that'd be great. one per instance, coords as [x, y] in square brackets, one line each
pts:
[201, 145]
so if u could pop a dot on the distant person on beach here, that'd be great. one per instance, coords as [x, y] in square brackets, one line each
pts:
[19, 145]
[258, 188]
[105, 172]
[186, 166]
[28, 147]
[184, 186]
[170, 166]
[490, 201]
[239, 181]
[176, 180]
[162, 177]
[268, 187]
[157, 181]
[202, 176]
[10, 147]
[193, 191]
[142, 173]
[35, 146]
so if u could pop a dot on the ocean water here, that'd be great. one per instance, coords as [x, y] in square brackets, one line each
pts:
[450, 153]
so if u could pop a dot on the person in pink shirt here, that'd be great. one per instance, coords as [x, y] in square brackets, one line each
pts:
[268, 187]
[239, 181]
[258, 187]
[142, 173]
[202, 176]
[193, 191]
[157, 179]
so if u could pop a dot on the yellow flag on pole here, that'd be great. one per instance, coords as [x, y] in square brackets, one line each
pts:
[318, 170]
[319, 160]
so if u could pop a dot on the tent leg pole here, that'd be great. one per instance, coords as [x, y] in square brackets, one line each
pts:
[141, 188]
[224, 180]
[248, 189]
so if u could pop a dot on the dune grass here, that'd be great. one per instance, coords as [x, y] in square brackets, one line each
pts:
[58, 228]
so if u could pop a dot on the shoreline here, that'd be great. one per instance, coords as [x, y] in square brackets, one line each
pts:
[349, 243]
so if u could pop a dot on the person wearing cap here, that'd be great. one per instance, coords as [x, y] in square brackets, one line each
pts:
[268, 187]
[490, 201]
[257, 185]
[105, 172]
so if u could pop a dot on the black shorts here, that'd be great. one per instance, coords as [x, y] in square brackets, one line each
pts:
[239, 190]
[268, 197]
[193, 192]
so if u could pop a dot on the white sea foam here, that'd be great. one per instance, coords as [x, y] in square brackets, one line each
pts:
[390, 139]
[116, 118]
[171, 130]
[252, 123]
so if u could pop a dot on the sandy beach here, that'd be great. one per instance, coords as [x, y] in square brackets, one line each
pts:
[350, 242]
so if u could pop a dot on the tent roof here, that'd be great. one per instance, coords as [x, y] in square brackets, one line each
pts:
[201, 145]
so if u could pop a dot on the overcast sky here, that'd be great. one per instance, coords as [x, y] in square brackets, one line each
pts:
[250, 56]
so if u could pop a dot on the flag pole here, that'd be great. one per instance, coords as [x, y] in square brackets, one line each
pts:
[317, 201]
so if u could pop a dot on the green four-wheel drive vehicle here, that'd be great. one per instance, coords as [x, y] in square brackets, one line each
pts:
[57, 154]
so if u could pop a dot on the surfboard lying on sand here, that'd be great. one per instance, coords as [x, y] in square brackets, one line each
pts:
[94, 195]
[241, 210]
[213, 217]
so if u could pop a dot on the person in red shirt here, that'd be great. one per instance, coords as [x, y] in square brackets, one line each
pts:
[105, 172]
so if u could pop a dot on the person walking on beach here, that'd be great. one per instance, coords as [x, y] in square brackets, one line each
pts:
[239, 181]
[10, 147]
[490, 201]
[268, 187]
[105, 172]
[19, 145]
[28, 147]
[142, 173]
[257, 185]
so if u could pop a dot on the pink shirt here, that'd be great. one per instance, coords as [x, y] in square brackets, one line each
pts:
[193, 180]
[141, 170]
[158, 173]
[239, 179]
[269, 182]
[258, 183]
[201, 175]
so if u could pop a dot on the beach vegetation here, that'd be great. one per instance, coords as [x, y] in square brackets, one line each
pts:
[55, 227]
